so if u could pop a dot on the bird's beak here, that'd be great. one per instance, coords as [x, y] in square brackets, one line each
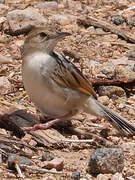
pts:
[60, 35]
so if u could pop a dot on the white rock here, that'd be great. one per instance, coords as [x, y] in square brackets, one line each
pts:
[63, 19]
[5, 85]
[5, 59]
[102, 177]
[48, 5]
[21, 20]
[117, 176]
[104, 100]
[3, 9]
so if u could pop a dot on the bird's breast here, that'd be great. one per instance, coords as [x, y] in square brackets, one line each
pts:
[48, 96]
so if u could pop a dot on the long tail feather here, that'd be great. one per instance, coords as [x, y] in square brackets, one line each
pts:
[123, 126]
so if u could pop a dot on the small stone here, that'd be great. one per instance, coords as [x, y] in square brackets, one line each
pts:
[104, 132]
[3, 9]
[27, 152]
[75, 175]
[52, 5]
[99, 30]
[47, 156]
[108, 69]
[5, 85]
[111, 91]
[62, 19]
[107, 160]
[56, 163]
[131, 112]
[5, 60]
[14, 157]
[3, 132]
[19, 43]
[73, 28]
[6, 148]
[89, 177]
[32, 143]
[105, 70]
[131, 21]
[129, 147]
[122, 4]
[117, 176]
[130, 54]
[74, 5]
[123, 61]
[102, 177]
[125, 72]
[21, 21]
[132, 98]
[118, 19]
[104, 100]
[27, 138]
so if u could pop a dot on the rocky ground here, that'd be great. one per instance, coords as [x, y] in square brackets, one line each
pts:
[102, 47]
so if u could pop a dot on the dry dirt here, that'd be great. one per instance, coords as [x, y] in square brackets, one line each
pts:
[85, 43]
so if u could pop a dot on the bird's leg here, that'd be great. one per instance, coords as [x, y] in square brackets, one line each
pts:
[48, 124]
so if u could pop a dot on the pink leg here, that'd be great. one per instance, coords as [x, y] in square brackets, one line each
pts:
[50, 123]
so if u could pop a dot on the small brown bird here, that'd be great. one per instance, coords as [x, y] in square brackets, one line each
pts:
[57, 87]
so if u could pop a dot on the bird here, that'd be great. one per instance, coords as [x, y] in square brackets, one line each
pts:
[57, 87]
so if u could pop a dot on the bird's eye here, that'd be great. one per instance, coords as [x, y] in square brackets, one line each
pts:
[43, 35]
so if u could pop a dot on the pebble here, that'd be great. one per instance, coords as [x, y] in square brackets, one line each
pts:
[21, 21]
[117, 176]
[118, 19]
[52, 5]
[131, 112]
[132, 98]
[57, 163]
[47, 156]
[122, 4]
[27, 152]
[129, 147]
[102, 177]
[74, 5]
[5, 85]
[130, 54]
[131, 21]
[104, 100]
[62, 19]
[20, 159]
[106, 160]
[3, 9]
[75, 175]
[124, 72]
[111, 91]
[5, 60]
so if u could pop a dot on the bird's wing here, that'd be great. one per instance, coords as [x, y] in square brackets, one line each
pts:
[68, 75]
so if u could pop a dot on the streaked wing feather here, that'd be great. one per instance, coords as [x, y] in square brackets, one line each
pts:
[69, 76]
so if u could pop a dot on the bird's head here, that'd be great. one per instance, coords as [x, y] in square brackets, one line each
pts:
[43, 39]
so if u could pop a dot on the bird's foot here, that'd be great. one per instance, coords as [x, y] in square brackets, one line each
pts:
[50, 123]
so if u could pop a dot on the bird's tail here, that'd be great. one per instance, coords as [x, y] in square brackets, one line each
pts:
[120, 123]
